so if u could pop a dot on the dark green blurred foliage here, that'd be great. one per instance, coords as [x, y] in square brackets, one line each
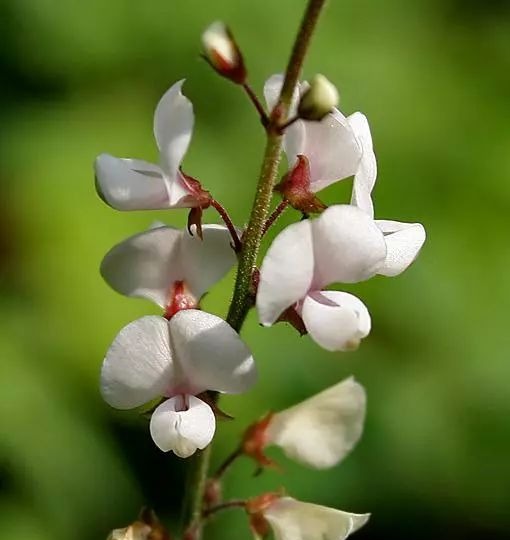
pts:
[79, 78]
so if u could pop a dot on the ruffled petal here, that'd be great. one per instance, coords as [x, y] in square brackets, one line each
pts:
[210, 353]
[332, 150]
[336, 320]
[138, 366]
[291, 519]
[173, 126]
[286, 272]
[322, 430]
[146, 265]
[130, 184]
[182, 424]
[364, 179]
[348, 246]
[206, 261]
[403, 243]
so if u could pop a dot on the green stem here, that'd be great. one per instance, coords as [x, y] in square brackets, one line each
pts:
[242, 299]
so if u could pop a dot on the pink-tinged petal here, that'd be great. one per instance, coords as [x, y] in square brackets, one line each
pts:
[332, 150]
[335, 320]
[182, 424]
[138, 366]
[286, 273]
[322, 430]
[130, 184]
[146, 265]
[211, 354]
[173, 126]
[364, 179]
[206, 261]
[403, 243]
[291, 519]
[348, 246]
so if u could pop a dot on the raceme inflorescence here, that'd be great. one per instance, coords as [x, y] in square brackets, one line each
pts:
[182, 360]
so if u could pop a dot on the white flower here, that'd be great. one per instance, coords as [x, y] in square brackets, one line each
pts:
[192, 352]
[291, 519]
[330, 146]
[403, 240]
[162, 263]
[342, 245]
[323, 429]
[133, 184]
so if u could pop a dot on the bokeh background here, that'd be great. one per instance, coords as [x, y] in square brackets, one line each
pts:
[80, 78]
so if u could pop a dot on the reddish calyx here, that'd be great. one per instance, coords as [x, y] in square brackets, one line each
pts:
[255, 440]
[200, 199]
[291, 316]
[295, 187]
[255, 508]
[179, 298]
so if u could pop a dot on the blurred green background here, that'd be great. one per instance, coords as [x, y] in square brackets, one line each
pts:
[80, 78]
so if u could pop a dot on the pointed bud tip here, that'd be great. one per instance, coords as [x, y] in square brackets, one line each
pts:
[222, 52]
[319, 99]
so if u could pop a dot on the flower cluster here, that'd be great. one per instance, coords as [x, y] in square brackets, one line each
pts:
[177, 362]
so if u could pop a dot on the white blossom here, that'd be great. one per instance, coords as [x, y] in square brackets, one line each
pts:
[177, 359]
[330, 145]
[133, 184]
[322, 430]
[154, 263]
[342, 245]
[291, 519]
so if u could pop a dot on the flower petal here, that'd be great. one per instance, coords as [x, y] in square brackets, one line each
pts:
[323, 429]
[332, 150]
[146, 265]
[211, 354]
[336, 320]
[173, 126]
[138, 365]
[403, 243]
[286, 273]
[364, 179]
[291, 519]
[182, 427]
[130, 184]
[348, 246]
[206, 261]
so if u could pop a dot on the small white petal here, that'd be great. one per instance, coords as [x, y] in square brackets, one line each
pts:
[211, 354]
[130, 184]
[322, 430]
[138, 366]
[348, 246]
[286, 272]
[146, 265]
[336, 320]
[207, 261]
[173, 126]
[403, 243]
[364, 179]
[291, 519]
[182, 429]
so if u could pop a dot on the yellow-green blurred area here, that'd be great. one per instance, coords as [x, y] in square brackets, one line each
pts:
[81, 78]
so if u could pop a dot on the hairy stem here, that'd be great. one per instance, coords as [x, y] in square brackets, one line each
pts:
[242, 299]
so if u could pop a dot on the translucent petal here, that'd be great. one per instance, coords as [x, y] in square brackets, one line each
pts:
[291, 519]
[146, 265]
[286, 272]
[348, 246]
[403, 243]
[336, 320]
[173, 126]
[182, 424]
[322, 430]
[211, 354]
[138, 366]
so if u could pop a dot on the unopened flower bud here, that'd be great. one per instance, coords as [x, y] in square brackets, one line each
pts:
[222, 52]
[319, 99]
